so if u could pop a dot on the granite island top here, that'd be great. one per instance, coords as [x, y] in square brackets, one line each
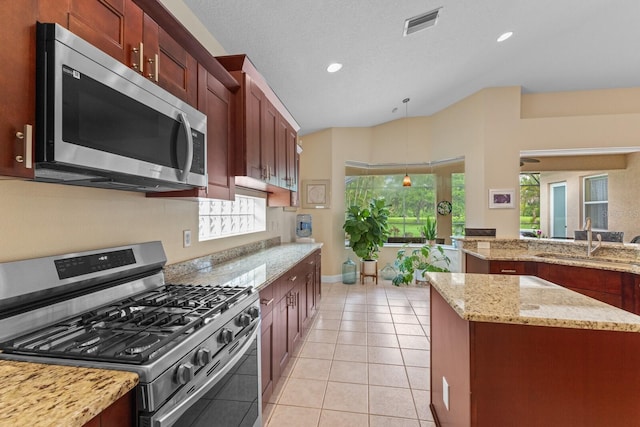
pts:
[37, 395]
[527, 300]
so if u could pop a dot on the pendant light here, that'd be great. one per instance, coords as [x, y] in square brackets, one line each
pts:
[406, 182]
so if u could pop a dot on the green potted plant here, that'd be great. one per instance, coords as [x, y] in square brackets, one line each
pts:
[368, 230]
[416, 263]
[429, 231]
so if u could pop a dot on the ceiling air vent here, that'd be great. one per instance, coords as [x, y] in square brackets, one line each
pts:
[421, 22]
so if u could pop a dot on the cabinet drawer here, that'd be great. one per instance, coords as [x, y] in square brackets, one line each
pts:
[267, 299]
[507, 267]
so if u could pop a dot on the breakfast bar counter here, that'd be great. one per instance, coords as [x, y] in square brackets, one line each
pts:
[519, 350]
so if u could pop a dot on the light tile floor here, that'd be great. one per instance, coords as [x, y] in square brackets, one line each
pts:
[364, 362]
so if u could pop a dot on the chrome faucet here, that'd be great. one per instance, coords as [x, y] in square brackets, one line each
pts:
[587, 227]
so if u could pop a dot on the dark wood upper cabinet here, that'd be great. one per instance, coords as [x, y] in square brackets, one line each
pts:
[17, 71]
[266, 135]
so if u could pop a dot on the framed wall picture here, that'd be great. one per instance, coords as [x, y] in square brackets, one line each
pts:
[502, 199]
[316, 194]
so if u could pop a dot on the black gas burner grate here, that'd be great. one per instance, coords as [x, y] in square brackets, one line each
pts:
[132, 330]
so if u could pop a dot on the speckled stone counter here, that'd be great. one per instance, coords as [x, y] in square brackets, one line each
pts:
[258, 269]
[34, 395]
[610, 256]
[527, 300]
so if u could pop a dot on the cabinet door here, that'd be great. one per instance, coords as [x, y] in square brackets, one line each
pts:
[17, 104]
[269, 143]
[281, 351]
[294, 325]
[267, 361]
[281, 153]
[113, 26]
[216, 102]
[120, 413]
[177, 70]
[252, 130]
[291, 159]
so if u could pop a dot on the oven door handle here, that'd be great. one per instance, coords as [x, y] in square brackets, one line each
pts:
[167, 419]
[189, 160]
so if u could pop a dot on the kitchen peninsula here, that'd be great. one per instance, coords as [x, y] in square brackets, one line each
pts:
[519, 350]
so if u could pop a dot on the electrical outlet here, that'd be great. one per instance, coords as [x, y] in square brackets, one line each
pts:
[445, 392]
[186, 238]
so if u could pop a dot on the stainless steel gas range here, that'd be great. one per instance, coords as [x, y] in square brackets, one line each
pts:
[194, 347]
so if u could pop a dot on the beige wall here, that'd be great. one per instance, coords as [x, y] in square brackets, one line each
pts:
[38, 219]
[489, 129]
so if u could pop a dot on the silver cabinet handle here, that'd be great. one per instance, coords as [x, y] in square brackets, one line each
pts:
[293, 278]
[507, 271]
[27, 138]
[266, 302]
[187, 133]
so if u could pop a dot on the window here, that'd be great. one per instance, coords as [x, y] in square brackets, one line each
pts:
[409, 206]
[529, 204]
[596, 201]
[224, 218]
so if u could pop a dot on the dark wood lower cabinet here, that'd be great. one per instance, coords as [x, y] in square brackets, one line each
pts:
[286, 311]
[507, 375]
[121, 413]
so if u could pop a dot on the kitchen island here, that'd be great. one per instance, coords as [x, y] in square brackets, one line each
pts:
[519, 350]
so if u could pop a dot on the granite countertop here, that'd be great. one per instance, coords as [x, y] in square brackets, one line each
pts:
[556, 256]
[259, 269]
[527, 300]
[35, 395]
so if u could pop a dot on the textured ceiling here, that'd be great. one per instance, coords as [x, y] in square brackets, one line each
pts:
[558, 45]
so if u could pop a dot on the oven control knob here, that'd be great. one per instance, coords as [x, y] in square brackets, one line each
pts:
[244, 320]
[203, 357]
[226, 336]
[254, 312]
[184, 373]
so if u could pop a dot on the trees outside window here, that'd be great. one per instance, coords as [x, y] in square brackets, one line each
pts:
[409, 206]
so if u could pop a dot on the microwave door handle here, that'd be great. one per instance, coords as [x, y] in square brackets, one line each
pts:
[187, 133]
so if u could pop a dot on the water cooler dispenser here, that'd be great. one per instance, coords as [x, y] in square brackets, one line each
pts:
[303, 228]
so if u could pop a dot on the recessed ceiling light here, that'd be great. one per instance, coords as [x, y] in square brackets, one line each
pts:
[505, 36]
[332, 68]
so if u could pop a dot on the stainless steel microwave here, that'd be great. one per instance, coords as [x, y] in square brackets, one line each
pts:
[101, 124]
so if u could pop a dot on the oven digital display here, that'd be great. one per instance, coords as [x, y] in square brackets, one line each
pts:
[78, 266]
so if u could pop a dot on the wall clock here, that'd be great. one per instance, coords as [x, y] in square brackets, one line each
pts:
[444, 207]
